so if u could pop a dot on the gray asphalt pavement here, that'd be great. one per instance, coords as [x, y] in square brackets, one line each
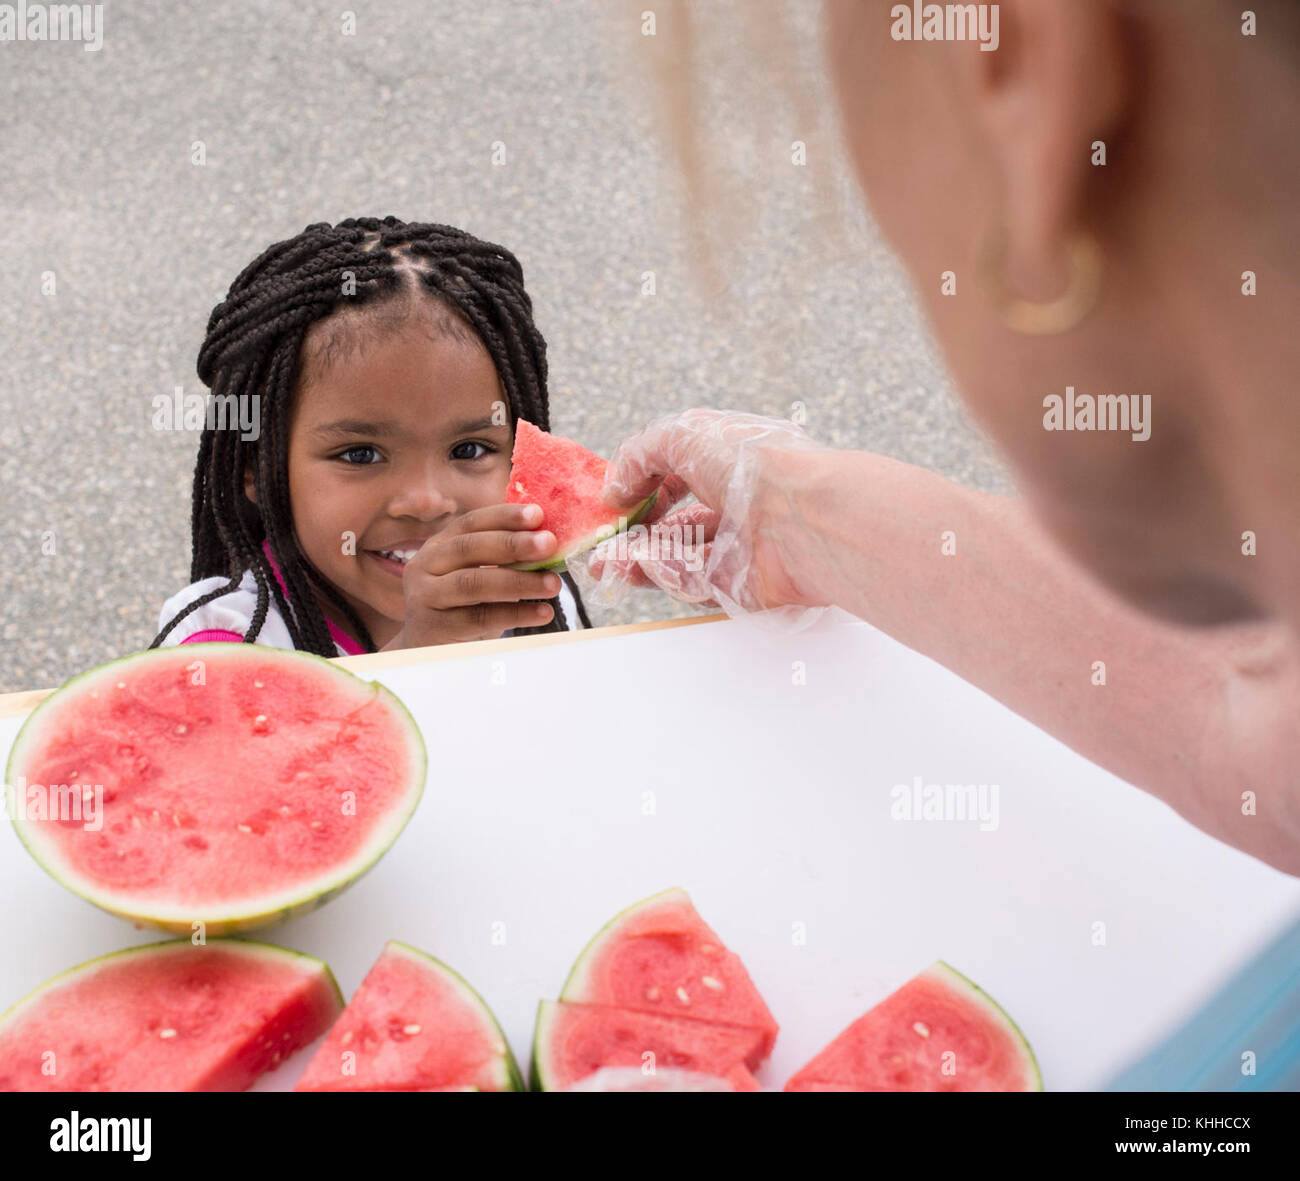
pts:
[301, 122]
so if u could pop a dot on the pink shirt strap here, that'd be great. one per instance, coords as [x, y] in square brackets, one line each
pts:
[337, 634]
[213, 634]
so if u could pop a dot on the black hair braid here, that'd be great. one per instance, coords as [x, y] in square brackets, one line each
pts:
[253, 346]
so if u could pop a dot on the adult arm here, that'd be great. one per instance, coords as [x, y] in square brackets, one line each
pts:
[1197, 717]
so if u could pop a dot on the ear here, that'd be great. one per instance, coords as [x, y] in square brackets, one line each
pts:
[1059, 79]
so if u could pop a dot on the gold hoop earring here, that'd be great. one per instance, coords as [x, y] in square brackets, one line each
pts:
[1083, 257]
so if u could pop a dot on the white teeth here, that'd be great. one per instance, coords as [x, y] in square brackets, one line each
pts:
[398, 555]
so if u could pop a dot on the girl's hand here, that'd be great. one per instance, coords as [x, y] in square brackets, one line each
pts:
[457, 589]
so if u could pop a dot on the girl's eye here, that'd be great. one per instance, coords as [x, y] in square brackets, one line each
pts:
[471, 443]
[362, 449]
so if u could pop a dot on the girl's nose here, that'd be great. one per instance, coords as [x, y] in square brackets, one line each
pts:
[421, 498]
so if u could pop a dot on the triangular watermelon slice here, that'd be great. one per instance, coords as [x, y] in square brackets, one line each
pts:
[413, 1025]
[565, 479]
[659, 956]
[167, 1017]
[573, 1042]
[939, 1032]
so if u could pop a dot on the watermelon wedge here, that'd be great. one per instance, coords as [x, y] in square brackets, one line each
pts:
[572, 1042]
[167, 1017]
[230, 785]
[665, 1078]
[565, 479]
[939, 1032]
[659, 956]
[413, 1025]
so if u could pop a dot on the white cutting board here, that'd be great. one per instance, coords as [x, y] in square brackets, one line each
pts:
[771, 805]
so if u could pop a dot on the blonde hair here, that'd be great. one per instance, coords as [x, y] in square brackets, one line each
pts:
[685, 66]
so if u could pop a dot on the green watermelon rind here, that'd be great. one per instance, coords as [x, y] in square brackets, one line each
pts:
[173, 947]
[996, 1012]
[560, 560]
[235, 922]
[537, 1077]
[514, 1079]
[609, 931]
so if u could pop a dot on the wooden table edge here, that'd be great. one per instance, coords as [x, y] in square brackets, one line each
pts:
[14, 705]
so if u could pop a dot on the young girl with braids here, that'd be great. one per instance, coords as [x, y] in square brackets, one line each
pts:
[390, 362]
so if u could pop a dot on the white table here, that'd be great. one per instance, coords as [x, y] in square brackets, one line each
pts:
[569, 779]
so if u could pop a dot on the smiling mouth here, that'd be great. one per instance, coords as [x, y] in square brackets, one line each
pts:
[399, 557]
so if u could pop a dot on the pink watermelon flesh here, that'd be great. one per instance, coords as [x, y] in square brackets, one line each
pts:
[572, 1042]
[167, 1017]
[901, 1044]
[413, 1025]
[565, 479]
[661, 957]
[222, 802]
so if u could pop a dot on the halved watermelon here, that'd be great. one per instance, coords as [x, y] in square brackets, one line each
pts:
[572, 1042]
[565, 479]
[659, 956]
[413, 1025]
[939, 1032]
[167, 1017]
[231, 785]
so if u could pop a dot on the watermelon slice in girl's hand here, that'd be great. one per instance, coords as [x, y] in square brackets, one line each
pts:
[939, 1032]
[565, 479]
[660, 957]
[167, 1017]
[413, 1025]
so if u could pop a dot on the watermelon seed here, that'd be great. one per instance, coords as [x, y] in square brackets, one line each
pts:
[315, 824]
[259, 724]
[257, 684]
[707, 949]
[922, 1029]
[176, 820]
[410, 1030]
[155, 815]
[181, 728]
[166, 1033]
[711, 982]
[121, 684]
[347, 1037]
[284, 809]
[135, 821]
[243, 828]
[652, 994]
[683, 996]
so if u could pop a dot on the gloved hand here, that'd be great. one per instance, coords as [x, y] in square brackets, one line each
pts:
[727, 550]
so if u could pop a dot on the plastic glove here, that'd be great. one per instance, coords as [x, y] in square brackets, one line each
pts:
[717, 552]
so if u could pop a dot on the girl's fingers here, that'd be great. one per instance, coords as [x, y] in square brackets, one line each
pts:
[470, 585]
[458, 549]
[479, 621]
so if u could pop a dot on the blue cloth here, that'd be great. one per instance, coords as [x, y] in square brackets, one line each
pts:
[1257, 1011]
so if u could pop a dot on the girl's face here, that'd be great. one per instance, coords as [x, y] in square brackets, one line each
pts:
[387, 446]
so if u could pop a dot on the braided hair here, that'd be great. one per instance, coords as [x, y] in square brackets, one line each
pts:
[254, 345]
